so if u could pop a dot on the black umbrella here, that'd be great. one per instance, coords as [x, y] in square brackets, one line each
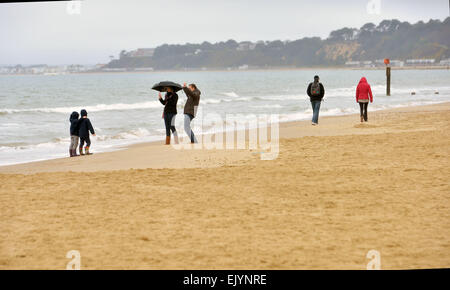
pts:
[161, 86]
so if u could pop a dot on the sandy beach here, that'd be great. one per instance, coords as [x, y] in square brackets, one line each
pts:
[335, 192]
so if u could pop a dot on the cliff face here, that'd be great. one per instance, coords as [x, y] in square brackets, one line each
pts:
[390, 39]
[338, 52]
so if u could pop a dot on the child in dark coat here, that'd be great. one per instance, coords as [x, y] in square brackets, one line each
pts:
[85, 127]
[74, 134]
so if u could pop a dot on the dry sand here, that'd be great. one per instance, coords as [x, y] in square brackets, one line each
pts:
[335, 192]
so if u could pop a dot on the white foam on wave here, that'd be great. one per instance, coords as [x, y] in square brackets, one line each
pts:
[227, 100]
[58, 147]
[290, 97]
[253, 98]
[378, 90]
[20, 153]
[231, 94]
[268, 106]
[95, 108]
[344, 92]
[128, 135]
[307, 114]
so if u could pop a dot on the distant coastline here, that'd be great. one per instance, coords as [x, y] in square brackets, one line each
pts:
[239, 70]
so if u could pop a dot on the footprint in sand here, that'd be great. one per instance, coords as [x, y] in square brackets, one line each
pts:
[364, 126]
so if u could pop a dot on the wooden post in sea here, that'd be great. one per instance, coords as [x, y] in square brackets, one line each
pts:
[388, 76]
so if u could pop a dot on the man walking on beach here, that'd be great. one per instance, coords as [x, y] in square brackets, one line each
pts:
[190, 108]
[316, 92]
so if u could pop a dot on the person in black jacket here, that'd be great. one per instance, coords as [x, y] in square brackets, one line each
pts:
[170, 110]
[316, 92]
[85, 127]
[74, 133]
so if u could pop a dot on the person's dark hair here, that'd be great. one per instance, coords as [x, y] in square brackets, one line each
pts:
[83, 113]
[194, 86]
[316, 77]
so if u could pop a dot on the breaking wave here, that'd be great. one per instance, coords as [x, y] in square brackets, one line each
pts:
[96, 108]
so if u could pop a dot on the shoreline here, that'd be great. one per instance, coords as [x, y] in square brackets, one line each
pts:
[243, 70]
[157, 150]
[123, 144]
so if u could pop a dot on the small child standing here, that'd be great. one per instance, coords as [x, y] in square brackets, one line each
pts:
[74, 133]
[85, 127]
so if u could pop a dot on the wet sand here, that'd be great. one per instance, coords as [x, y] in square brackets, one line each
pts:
[335, 192]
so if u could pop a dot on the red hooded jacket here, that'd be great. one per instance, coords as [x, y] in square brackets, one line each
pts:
[363, 91]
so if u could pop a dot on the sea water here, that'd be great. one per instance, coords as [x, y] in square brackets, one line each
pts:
[35, 109]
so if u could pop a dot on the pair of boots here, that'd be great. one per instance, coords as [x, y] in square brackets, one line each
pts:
[86, 151]
[73, 152]
[175, 139]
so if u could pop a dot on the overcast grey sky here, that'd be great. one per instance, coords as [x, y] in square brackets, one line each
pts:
[32, 33]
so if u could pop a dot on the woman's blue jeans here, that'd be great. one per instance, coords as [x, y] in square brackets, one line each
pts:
[187, 127]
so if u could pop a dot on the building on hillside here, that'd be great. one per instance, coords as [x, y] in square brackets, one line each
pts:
[114, 69]
[144, 69]
[99, 66]
[445, 62]
[419, 62]
[393, 63]
[74, 68]
[245, 46]
[397, 63]
[367, 64]
[353, 63]
[38, 69]
[141, 52]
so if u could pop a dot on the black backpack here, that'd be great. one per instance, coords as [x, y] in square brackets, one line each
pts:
[315, 89]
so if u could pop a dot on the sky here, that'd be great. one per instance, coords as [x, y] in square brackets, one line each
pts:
[55, 33]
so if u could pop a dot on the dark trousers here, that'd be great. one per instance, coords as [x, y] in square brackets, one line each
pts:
[169, 121]
[316, 108]
[363, 110]
[83, 140]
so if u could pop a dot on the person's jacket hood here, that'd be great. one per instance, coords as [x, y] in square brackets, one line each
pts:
[74, 116]
[74, 122]
[363, 91]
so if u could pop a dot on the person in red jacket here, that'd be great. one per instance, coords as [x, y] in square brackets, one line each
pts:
[363, 95]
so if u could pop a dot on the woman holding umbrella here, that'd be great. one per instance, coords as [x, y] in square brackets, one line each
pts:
[170, 110]
[170, 107]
